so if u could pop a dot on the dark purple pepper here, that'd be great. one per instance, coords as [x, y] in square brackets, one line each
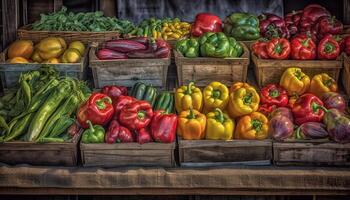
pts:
[334, 100]
[312, 130]
[280, 128]
[282, 111]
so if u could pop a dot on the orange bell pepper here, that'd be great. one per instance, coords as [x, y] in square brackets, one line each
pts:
[252, 127]
[191, 125]
[322, 83]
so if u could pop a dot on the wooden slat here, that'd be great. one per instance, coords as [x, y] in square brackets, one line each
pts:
[346, 11]
[10, 17]
[346, 75]
[108, 7]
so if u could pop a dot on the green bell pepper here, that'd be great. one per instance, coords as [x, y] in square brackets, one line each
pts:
[236, 50]
[242, 26]
[214, 45]
[165, 101]
[188, 47]
[145, 92]
[95, 134]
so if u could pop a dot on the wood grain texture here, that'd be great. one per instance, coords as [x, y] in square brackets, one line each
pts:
[204, 70]
[311, 153]
[346, 75]
[270, 71]
[10, 73]
[129, 71]
[346, 11]
[47, 154]
[128, 154]
[211, 151]
[10, 21]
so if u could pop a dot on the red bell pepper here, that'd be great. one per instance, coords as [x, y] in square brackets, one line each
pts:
[307, 109]
[125, 135]
[347, 45]
[112, 132]
[273, 94]
[311, 14]
[328, 48]
[114, 91]
[98, 109]
[278, 48]
[144, 136]
[136, 115]
[206, 22]
[272, 26]
[292, 21]
[329, 25]
[266, 109]
[163, 127]
[303, 48]
[259, 49]
[119, 104]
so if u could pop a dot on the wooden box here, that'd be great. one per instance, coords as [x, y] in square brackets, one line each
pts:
[270, 71]
[311, 153]
[128, 71]
[9, 73]
[26, 33]
[202, 153]
[128, 154]
[45, 154]
[204, 70]
[346, 75]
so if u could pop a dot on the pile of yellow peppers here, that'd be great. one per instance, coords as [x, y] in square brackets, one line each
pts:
[175, 30]
[212, 113]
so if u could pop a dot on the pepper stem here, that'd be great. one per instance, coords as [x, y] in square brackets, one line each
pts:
[298, 134]
[216, 94]
[257, 125]
[315, 107]
[328, 82]
[91, 127]
[274, 93]
[189, 90]
[101, 102]
[297, 74]
[141, 114]
[322, 108]
[219, 115]
[247, 99]
[329, 47]
[191, 115]
[305, 43]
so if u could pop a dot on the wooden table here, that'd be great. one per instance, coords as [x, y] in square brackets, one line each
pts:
[266, 180]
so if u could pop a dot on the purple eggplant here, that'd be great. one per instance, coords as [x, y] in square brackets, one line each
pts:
[282, 111]
[338, 125]
[142, 54]
[107, 54]
[162, 52]
[334, 100]
[280, 127]
[312, 130]
[124, 45]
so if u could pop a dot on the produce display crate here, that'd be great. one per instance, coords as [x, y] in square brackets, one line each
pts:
[43, 154]
[10, 73]
[128, 154]
[314, 153]
[346, 75]
[204, 153]
[86, 37]
[128, 71]
[204, 70]
[270, 71]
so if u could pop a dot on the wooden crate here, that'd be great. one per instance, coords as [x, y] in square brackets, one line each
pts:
[203, 153]
[204, 70]
[86, 37]
[311, 153]
[346, 75]
[128, 71]
[128, 154]
[10, 73]
[50, 154]
[270, 71]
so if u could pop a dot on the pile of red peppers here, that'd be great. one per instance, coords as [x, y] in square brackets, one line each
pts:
[127, 119]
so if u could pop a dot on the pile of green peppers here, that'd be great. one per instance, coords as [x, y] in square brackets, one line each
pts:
[210, 44]
[242, 26]
[42, 108]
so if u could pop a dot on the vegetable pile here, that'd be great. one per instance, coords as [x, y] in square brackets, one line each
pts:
[144, 116]
[140, 47]
[42, 108]
[91, 21]
[50, 50]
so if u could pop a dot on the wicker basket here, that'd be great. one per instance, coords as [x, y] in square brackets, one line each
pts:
[270, 71]
[86, 37]
[204, 70]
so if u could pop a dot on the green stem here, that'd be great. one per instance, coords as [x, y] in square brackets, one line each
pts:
[216, 94]
[274, 93]
[141, 114]
[91, 127]
[191, 115]
[329, 47]
[101, 102]
[247, 99]
[189, 90]
[257, 125]
[219, 115]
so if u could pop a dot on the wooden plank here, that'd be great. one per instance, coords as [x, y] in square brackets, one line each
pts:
[346, 75]
[108, 7]
[217, 152]
[309, 153]
[346, 11]
[11, 20]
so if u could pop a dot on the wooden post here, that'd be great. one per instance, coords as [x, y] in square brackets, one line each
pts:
[10, 17]
[108, 8]
[346, 12]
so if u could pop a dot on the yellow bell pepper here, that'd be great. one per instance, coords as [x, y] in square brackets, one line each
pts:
[191, 125]
[252, 127]
[295, 81]
[219, 126]
[187, 97]
[215, 96]
[322, 83]
[243, 100]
